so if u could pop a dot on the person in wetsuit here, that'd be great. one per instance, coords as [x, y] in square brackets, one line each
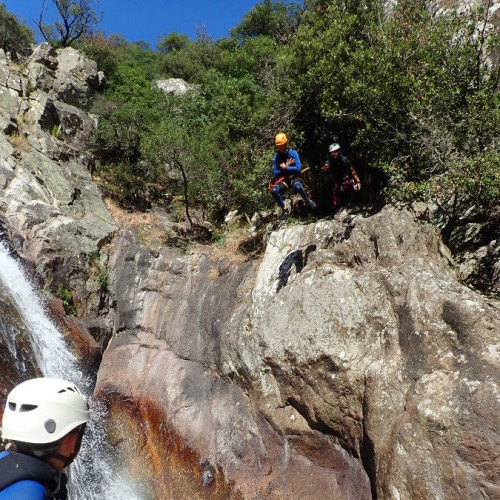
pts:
[344, 176]
[43, 422]
[286, 170]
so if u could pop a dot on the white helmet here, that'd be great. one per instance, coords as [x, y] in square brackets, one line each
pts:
[333, 147]
[43, 410]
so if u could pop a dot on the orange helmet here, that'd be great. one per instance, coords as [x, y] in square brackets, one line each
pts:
[280, 139]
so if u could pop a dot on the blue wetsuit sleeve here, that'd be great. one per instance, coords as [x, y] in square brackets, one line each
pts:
[296, 167]
[276, 170]
[23, 490]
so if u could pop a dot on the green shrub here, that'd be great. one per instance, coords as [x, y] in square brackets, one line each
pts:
[56, 132]
[412, 93]
[15, 37]
[67, 299]
[103, 280]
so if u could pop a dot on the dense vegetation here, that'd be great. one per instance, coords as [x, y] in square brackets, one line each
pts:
[14, 36]
[412, 93]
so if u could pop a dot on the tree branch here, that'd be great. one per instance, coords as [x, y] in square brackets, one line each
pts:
[185, 180]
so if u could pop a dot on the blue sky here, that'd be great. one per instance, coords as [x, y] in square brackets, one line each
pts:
[145, 19]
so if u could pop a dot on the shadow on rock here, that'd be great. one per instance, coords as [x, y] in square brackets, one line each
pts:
[297, 257]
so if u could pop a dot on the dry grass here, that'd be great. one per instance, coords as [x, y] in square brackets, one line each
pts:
[148, 226]
[229, 247]
[19, 142]
[151, 232]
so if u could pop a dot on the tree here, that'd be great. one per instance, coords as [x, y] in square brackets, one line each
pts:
[101, 49]
[269, 18]
[178, 145]
[14, 36]
[77, 18]
[412, 91]
[171, 42]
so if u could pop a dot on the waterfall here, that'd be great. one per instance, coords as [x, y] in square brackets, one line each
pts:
[51, 353]
[92, 476]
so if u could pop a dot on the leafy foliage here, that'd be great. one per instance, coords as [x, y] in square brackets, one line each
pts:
[66, 297]
[412, 92]
[272, 19]
[14, 36]
[103, 50]
[172, 42]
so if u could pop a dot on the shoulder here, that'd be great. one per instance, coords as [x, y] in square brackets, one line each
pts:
[25, 477]
[293, 152]
[23, 490]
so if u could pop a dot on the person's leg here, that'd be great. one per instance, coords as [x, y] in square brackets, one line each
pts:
[297, 187]
[336, 198]
[276, 192]
[344, 189]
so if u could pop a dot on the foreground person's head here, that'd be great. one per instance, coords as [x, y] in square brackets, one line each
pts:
[46, 418]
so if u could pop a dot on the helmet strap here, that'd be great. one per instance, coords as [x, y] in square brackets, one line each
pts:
[67, 459]
[64, 459]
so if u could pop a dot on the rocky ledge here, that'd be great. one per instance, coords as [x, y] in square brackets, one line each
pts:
[349, 363]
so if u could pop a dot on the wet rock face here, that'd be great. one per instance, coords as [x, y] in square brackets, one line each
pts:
[53, 213]
[349, 363]
[172, 312]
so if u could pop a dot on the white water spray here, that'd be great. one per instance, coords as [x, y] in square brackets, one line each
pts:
[52, 356]
[92, 475]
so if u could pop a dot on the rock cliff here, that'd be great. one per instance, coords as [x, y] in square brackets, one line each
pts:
[349, 361]
[50, 209]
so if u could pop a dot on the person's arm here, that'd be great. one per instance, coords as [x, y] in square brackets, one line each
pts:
[354, 175]
[24, 490]
[295, 165]
[276, 169]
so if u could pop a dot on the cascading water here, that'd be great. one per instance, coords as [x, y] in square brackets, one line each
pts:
[92, 476]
